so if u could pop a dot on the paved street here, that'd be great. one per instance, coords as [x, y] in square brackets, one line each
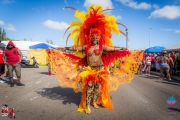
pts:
[43, 99]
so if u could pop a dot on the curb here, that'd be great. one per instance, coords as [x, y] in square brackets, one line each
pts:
[172, 77]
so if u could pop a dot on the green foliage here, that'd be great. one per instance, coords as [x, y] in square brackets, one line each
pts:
[50, 41]
[2, 34]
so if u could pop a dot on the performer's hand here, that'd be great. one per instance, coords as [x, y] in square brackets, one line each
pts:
[122, 48]
[125, 48]
[58, 48]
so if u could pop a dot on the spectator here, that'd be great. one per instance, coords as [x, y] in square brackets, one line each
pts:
[148, 65]
[170, 63]
[141, 66]
[153, 65]
[2, 65]
[12, 57]
[176, 64]
[164, 65]
[174, 58]
[156, 62]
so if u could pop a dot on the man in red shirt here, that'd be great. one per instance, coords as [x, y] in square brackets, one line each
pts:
[12, 57]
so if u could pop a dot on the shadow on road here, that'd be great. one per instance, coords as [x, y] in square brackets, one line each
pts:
[149, 77]
[174, 109]
[58, 93]
[171, 83]
[44, 73]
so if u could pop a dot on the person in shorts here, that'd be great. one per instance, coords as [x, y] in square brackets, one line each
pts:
[163, 61]
[12, 57]
[148, 65]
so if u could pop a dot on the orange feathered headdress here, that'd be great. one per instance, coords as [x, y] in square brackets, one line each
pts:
[94, 21]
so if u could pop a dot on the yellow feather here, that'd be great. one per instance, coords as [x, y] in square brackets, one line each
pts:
[95, 7]
[75, 23]
[75, 32]
[80, 15]
[112, 23]
[79, 54]
[76, 41]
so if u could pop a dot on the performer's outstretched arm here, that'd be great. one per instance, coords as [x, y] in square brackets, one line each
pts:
[108, 48]
[73, 48]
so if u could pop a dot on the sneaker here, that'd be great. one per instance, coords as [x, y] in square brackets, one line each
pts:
[149, 75]
[20, 84]
[7, 79]
[12, 85]
[169, 79]
[1, 81]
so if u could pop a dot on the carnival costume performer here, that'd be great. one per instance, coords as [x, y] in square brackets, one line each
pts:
[97, 64]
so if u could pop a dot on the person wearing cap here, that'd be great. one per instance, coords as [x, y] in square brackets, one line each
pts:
[12, 57]
[164, 65]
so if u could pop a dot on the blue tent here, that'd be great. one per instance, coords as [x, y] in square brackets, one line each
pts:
[41, 46]
[155, 49]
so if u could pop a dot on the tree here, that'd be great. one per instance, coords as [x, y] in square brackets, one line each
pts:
[2, 34]
[50, 41]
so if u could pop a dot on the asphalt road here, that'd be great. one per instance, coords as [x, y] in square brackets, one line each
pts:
[43, 99]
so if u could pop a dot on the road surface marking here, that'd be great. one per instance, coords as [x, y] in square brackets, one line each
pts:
[34, 98]
[28, 86]
[38, 82]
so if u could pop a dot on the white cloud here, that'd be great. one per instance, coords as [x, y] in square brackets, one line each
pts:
[177, 31]
[55, 25]
[118, 17]
[155, 6]
[8, 1]
[10, 27]
[169, 12]
[135, 5]
[171, 30]
[65, 1]
[167, 29]
[1, 23]
[104, 3]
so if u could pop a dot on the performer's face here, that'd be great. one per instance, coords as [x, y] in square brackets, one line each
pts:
[95, 38]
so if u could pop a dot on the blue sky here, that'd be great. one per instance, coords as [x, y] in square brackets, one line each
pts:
[150, 22]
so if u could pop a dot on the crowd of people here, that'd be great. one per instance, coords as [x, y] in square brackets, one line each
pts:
[167, 63]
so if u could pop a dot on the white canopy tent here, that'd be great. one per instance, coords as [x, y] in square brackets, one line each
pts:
[173, 48]
[24, 45]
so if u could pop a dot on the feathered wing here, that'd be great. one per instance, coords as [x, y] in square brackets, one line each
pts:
[109, 57]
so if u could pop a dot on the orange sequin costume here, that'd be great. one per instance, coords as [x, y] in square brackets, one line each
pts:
[74, 72]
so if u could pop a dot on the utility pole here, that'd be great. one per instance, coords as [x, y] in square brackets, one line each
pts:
[149, 36]
[127, 41]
